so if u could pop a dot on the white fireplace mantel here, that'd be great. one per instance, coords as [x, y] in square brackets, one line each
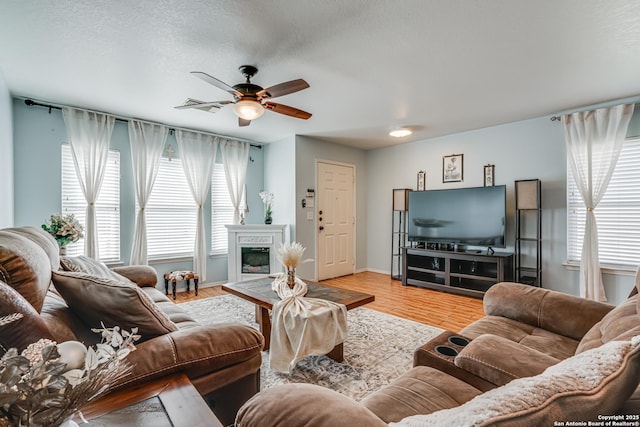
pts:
[268, 236]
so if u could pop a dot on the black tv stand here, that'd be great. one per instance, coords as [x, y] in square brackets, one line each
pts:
[468, 273]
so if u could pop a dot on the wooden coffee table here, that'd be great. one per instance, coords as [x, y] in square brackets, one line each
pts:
[259, 292]
[171, 401]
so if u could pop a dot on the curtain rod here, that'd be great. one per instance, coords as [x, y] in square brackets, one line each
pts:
[32, 103]
[635, 99]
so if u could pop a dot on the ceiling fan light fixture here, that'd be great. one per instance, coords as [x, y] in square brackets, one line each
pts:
[400, 132]
[248, 109]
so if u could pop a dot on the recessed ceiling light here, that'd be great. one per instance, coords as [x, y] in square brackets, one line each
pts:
[400, 132]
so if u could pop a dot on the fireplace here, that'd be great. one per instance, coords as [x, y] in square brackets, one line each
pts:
[255, 260]
[252, 250]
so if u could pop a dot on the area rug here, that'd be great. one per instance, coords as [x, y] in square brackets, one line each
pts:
[378, 348]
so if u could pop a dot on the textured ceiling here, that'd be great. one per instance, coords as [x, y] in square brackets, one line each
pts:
[437, 66]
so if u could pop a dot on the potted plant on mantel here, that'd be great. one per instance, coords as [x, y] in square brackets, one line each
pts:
[267, 199]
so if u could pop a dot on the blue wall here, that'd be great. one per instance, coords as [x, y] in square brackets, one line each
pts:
[291, 183]
[522, 150]
[39, 135]
[528, 149]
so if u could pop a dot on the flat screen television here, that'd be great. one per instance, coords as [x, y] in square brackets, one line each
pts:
[469, 216]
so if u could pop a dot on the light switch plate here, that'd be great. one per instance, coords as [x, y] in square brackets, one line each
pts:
[309, 216]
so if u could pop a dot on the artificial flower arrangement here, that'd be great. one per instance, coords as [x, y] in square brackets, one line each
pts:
[48, 383]
[64, 228]
[290, 255]
[267, 199]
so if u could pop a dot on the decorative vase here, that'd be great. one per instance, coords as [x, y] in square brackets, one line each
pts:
[291, 277]
[267, 220]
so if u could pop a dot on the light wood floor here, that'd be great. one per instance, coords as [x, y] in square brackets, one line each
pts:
[441, 309]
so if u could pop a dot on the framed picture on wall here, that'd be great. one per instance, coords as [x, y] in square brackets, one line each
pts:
[422, 180]
[453, 168]
[489, 175]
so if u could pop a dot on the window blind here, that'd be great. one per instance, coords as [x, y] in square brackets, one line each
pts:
[171, 213]
[617, 214]
[107, 205]
[221, 210]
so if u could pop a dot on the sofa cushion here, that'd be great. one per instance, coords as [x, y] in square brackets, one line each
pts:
[174, 312]
[84, 264]
[112, 302]
[62, 322]
[304, 405]
[553, 311]
[555, 345]
[499, 360]
[595, 382]
[621, 323]
[29, 328]
[421, 390]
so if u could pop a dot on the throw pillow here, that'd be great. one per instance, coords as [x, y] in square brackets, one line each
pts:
[84, 264]
[596, 382]
[112, 302]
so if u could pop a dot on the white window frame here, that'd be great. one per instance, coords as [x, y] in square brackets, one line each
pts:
[171, 214]
[617, 215]
[221, 210]
[107, 205]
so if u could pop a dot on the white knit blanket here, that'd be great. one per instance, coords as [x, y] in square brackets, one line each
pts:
[303, 327]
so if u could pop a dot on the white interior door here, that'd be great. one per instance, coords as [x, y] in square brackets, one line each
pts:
[336, 219]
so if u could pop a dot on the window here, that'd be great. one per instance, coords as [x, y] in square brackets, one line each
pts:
[617, 215]
[221, 210]
[107, 205]
[171, 213]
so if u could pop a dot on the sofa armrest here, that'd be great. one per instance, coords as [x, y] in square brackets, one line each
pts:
[554, 311]
[141, 275]
[195, 351]
[499, 360]
[304, 405]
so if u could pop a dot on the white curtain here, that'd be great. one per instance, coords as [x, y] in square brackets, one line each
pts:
[89, 134]
[235, 157]
[147, 143]
[594, 140]
[198, 154]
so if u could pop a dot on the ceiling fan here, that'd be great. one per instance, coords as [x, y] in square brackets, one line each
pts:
[248, 98]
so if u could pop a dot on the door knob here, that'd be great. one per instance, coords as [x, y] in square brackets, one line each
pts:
[320, 212]
[321, 228]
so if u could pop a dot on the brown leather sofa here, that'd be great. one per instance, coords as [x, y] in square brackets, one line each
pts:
[525, 343]
[222, 361]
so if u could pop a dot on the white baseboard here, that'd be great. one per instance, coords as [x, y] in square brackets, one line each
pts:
[374, 270]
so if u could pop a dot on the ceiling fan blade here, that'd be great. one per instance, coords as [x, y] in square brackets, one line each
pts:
[286, 110]
[217, 83]
[283, 88]
[243, 122]
[218, 104]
